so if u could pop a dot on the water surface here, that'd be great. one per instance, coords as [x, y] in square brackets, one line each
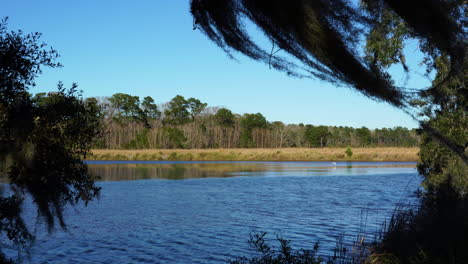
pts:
[203, 212]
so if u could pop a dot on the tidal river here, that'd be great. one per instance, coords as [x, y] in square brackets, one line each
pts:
[203, 212]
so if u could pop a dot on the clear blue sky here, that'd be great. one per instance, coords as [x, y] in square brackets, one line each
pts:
[148, 47]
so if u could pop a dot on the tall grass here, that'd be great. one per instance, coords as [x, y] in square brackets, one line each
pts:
[260, 154]
[267, 253]
[434, 232]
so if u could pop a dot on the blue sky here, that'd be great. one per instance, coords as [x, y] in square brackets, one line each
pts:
[148, 47]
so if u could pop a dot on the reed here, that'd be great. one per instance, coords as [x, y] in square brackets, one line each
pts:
[261, 154]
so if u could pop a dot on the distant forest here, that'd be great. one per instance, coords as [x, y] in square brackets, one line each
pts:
[132, 123]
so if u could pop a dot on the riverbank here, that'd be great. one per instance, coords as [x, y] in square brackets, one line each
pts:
[258, 154]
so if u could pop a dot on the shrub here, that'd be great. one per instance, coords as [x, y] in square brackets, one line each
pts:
[175, 137]
[283, 255]
[349, 152]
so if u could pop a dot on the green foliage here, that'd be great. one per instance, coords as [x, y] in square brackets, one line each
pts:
[434, 232]
[204, 132]
[316, 136]
[437, 231]
[385, 42]
[438, 163]
[349, 152]
[177, 112]
[325, 43]
[43, 139]
[277, 125]
[175, 137]
[140, 141]
[248, 122]
[39, 97]
[224, 117]
[325, 40]
[126, 107]
[62, 129]
[246, 140]
[265, 253]
[364, 136]
[283, 255]
[398, 136]
[150, 109]
[196, 107]
[181, 111]
[251, 121]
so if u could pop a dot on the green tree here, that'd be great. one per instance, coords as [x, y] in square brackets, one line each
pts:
[175, 137]
[140, 141]
[280, 133]
[177, 111]
[316, 136]
[150, 109]
[349, 152]
[437, 231]
[224, 117]
[248, 122]
[43, 139]
[126, 107]
[324, 42]
[439, 165]
[324, 38]
[364, 136]
[196, 107]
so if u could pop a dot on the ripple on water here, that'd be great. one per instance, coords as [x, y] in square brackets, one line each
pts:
[209, 220]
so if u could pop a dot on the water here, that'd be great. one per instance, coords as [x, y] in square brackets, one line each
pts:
[194, 212]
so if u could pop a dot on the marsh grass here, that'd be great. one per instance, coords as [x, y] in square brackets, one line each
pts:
[436, 231]
[280, 251]
[259, 154]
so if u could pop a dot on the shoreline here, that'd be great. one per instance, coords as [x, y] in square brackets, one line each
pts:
[382, 154]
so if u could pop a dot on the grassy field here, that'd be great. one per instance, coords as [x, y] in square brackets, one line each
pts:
[282, 154]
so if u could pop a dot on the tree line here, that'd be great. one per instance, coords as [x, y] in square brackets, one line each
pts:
[132, 123]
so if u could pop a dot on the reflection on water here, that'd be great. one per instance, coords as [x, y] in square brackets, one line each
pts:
[141, 218]
[174, 171]
[177, 170]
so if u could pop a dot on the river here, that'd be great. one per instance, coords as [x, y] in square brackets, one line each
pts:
[203, 212]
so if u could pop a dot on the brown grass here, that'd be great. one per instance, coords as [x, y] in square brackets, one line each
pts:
[258, 154]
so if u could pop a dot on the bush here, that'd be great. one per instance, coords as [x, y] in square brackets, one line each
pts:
[349, 152]
[284, 255]
[357, 254]
[140, 141]
[175, 137]
[435, 232]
